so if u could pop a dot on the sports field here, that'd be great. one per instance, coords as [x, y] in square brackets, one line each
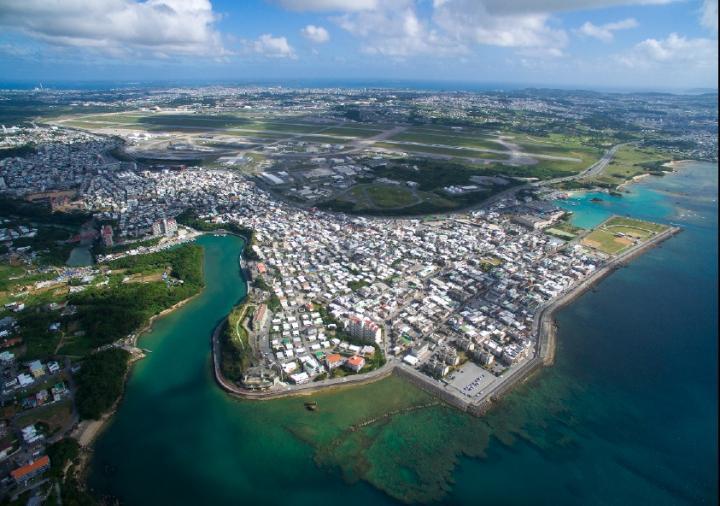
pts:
[618, 233]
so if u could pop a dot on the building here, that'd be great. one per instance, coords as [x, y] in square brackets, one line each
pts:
[259, 378]
[260, 317]
[333, 361]
[30, 434]
[165, 226]
[27, 472]
[300, 378]
[531, 221]
[36, 369]
[107, 236]
[364, 329]
[355, 363]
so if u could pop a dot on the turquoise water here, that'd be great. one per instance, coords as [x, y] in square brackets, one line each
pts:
[628, 414]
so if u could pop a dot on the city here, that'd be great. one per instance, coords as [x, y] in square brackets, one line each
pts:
[358, 251]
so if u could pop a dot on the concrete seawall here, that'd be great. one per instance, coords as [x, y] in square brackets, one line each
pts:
[294, 390]
[543, 325]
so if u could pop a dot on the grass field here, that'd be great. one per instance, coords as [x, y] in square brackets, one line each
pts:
[631, 161]
[185, 122]
[351, 131]
[456, 152]
[385, 196]
[617, 234]
[322, 139]
[55, 416]
[447, 139]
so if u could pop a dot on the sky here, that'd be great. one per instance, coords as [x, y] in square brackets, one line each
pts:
[592, 44]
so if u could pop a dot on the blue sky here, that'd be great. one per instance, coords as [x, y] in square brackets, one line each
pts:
[648, 44]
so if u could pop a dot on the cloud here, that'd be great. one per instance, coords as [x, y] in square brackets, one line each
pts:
[406, 27]
[709, 15]
[513, 7]
[468, 20]
[605, 32]
[675, 51]
[330, 5]
[118, 27]
[271, 47]
[396, 30]
[316, 34]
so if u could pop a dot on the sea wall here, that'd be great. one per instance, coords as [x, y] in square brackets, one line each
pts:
[543, 325]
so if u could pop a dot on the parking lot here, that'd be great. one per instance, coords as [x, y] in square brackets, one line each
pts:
[471, 380]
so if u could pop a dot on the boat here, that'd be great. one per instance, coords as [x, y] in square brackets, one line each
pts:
[311, 406]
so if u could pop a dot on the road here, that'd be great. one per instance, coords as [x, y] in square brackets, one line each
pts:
[594, 170]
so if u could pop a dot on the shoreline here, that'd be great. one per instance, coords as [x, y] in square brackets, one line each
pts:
[544, 356]
[294, 390]
[88, 431]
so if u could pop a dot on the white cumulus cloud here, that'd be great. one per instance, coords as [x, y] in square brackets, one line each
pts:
[119, 27]
[606, 32]
[406, 27]
[675, 51]
[316, 34]
[474, 21]
[396, 30]
[271, 47]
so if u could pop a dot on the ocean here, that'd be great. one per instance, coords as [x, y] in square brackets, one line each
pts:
[627, 415]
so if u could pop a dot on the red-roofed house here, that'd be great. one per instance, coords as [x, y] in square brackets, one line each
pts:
[355, 363]
[334, 361]
[23, 474]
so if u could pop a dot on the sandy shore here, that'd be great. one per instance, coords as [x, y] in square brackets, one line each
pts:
[87, 431]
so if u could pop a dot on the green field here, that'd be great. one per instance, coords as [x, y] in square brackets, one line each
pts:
[456, 152]
[352, 131]
[428, 197]
[384, 196]
[447, 139]
[618, 234]
[631, 161]
[322, 139]
[190, 122]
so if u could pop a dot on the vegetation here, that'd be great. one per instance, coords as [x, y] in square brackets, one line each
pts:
[431, 176]
[372, 362]
[357, 285]
[60, 453]
[236, 353]
[629, 162]
[120, 248]
[106, 314]
[260, 283]
[49, 243]
[39, 213]
[100, 382]
[619, 233]
[20, 151]
[274, 303]
[190, 219]
[34, 328]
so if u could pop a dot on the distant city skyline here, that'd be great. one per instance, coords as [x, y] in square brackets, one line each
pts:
[593, 44]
